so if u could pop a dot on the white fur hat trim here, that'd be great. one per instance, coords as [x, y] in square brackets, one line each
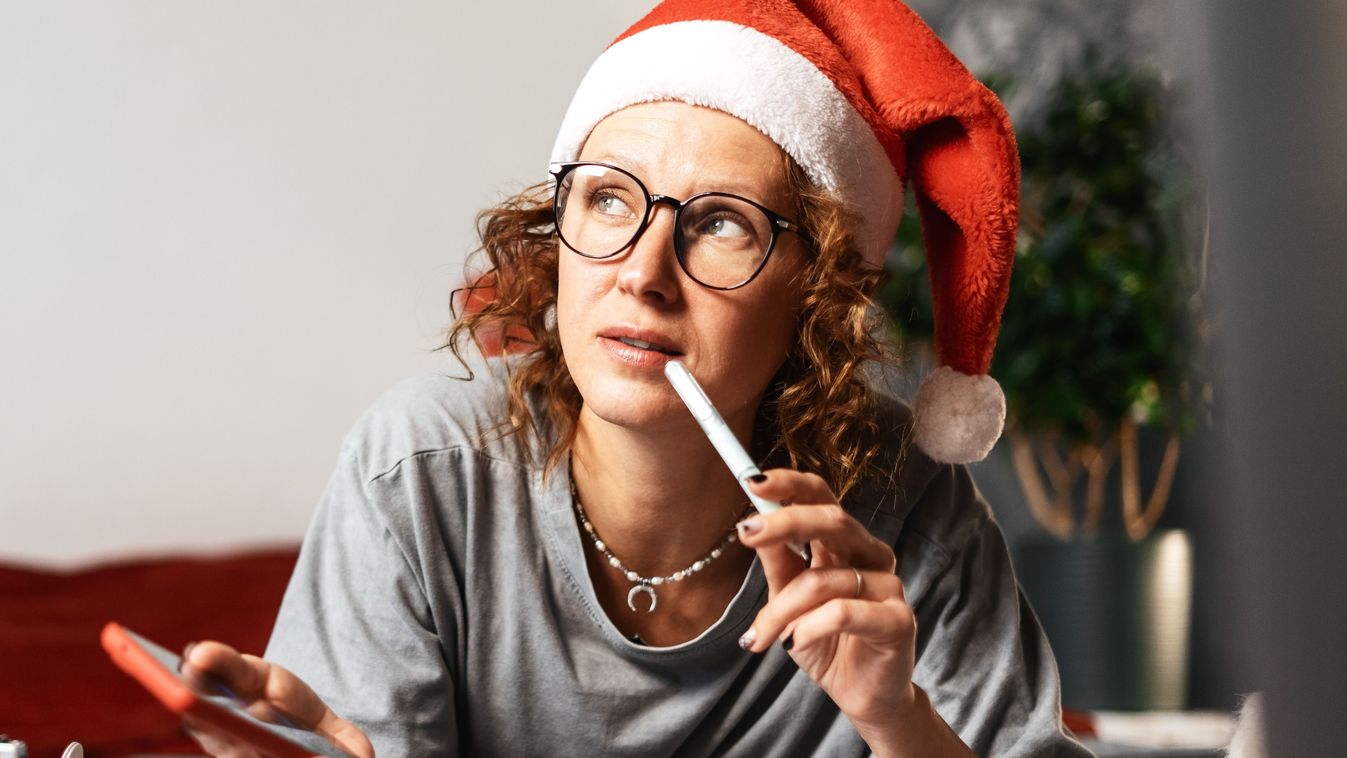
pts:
[958, 417]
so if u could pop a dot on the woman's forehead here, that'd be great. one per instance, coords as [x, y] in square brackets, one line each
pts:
[681, 143]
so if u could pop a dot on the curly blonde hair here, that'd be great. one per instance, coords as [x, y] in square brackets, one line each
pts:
[818, 410]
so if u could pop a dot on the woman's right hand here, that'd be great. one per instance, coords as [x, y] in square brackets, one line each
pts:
[270, 690]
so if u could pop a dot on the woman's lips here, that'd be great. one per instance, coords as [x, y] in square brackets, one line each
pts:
[641, 338]
[635, 356]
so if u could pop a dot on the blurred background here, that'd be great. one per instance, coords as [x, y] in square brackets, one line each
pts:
[1106, 350]
[225, 229]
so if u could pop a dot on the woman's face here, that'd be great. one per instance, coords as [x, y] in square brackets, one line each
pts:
[733, 341]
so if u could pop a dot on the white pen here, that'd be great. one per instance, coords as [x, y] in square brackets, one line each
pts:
[722, 439]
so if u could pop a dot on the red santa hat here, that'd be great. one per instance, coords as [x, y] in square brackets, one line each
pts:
[865, 98]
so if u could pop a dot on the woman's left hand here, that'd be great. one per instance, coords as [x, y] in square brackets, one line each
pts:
[843, 618]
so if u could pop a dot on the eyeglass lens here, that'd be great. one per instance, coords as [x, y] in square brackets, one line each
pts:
[721, 240]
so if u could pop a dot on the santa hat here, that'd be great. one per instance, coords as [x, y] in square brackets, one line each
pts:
[864, 97]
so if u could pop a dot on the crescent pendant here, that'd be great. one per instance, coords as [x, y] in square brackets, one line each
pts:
[647, 589]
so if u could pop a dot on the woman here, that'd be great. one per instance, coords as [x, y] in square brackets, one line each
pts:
[549, 557]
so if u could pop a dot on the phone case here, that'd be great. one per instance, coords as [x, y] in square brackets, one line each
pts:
[126, 650]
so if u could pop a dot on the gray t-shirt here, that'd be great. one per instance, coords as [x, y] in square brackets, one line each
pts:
[442, 603]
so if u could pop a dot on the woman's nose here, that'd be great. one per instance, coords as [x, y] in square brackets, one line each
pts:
[650, 268]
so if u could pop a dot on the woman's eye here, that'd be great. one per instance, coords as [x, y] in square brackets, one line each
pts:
[725, 227]
[610, 204]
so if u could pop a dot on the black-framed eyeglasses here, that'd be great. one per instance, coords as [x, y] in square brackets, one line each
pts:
[722, 241]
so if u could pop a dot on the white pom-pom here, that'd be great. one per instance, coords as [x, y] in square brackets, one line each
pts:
[958, 417]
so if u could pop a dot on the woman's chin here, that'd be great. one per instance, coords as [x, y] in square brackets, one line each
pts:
[634, 405]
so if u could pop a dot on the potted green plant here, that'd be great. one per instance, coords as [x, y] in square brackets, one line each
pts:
[1097, 346]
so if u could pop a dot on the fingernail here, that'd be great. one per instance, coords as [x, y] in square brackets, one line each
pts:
[758, 478]
[749, 526]
[788, 643]
[747, 640]
[186, 651]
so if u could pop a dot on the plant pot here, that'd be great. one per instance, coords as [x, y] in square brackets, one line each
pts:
[1118, 614]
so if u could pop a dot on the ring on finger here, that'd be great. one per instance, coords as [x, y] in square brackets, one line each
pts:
[859, 580]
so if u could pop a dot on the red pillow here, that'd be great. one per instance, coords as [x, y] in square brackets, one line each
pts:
[56, 683]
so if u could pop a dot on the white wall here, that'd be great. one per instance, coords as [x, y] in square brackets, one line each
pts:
[225, 228]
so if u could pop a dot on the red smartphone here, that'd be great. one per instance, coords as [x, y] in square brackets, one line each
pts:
[157, 669]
